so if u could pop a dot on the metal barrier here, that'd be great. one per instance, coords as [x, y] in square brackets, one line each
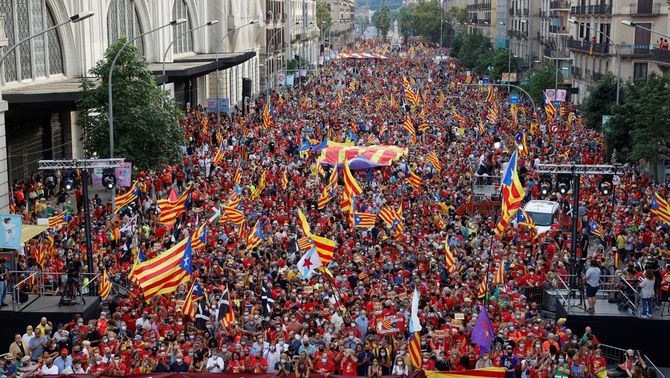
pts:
[39, 283]
[614, 287]
[614, 356]
[651, 365]
[534, 294]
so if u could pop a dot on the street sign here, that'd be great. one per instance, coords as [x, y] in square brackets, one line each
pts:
[486, 80]
[556, 104]
[514, 98]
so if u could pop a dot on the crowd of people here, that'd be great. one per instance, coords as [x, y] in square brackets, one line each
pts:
[339, 324]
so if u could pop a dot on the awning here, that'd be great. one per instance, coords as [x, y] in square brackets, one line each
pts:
[199, 65]
[29, 231]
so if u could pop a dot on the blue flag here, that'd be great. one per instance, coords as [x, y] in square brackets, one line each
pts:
[482, 333]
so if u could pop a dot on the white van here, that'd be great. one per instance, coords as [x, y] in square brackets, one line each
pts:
[544, 214]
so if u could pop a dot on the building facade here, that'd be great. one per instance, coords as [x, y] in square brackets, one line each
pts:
[599, 42]
[342, 30]
[41, 78]
[524, 32]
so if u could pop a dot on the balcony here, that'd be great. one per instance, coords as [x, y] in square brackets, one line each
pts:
[596, 76]
[643, 10]
[576, 72]
[485, 6]
[472, 7]
[592, 10]
[661, 56]
[559, 4]
[558, 29]
[635, 51]
[586, 47]
[526, 12]
[556, 54]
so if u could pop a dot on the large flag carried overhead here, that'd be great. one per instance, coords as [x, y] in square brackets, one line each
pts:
[165, 272]
[325, 247]
[512, 194]
[414, 343]
[660, 207]
[126, 198]
[482, 333]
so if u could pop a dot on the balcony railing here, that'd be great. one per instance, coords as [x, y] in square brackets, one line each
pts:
[472, 6]
[526, 12]
[587, 47]
[576, 72]
[556, 54]
[634, 50]
[558, 29]
[485, 6]
[661, 56]
[642, 10]
[600, 9]
[559, 4]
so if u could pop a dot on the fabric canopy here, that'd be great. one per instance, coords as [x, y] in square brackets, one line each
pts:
[359, 56]
[29, 231]
[361, 157]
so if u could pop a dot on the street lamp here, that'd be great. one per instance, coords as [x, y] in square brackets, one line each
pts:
[73, 19]
[209, 23]
[110, 115]
[636, 25]
[530, 42]
[509, 60]
[618, 56]
[216, 54]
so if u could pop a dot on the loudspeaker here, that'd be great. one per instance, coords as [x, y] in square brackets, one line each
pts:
[246, 87]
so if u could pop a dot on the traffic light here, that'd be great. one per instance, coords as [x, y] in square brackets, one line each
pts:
[109, 178]
[563, 181]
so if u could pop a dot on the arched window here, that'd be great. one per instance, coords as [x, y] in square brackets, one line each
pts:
[123, 21]
[185, 43]
[39, 57]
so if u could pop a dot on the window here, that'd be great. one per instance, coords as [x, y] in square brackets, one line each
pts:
[39, 57]
[185, 43]
[640, 71]
[123, 21]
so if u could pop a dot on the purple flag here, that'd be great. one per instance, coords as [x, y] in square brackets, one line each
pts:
[482, 334]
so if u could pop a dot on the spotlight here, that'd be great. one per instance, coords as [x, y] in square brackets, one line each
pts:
[563, 183]
[545, 184]
[50, 180]
[68, 179]
[605, 185]
[109, 178]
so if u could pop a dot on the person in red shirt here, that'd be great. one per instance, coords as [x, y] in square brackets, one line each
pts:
[348, 364]
[325, 365]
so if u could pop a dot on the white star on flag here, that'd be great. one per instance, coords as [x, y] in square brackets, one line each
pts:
[309, 263]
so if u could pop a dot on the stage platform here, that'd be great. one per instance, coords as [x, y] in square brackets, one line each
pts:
[15, 317]
[620, 328]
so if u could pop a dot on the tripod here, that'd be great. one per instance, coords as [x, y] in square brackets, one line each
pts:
[71, 290]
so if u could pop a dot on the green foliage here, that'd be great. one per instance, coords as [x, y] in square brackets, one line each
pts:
[539, 80]
[600, 101]
[457, 13]
[474, 50]
[500, 63]
[406, 21]
[427, 18]
[323, 17]
[381, 19]
[293, 64]
[146, 131]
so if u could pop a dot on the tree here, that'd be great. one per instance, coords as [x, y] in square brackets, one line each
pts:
[427, 18]
[600, 101]
[458, 13]
[539, 80]
[406, 21]
[381, 19]
[500, 62]
[146, 128]
[323, 17]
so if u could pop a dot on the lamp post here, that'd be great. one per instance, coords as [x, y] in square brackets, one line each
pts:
[441, 23]
[530, 42]
[636, 25]
[73, 19]
[216, 54]
[110, 115]
[618, 56]
[509, 59]
[209, 23]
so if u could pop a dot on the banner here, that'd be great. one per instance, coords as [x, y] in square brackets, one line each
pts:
[123, 175]
[10, 234]
[561, 94]
[389, 324]
[361, 157]
[224, 105]
[290, 80]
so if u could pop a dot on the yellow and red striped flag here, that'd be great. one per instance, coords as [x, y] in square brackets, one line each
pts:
[234, 215]
[172, 207]
[284, 179]
[199, 237]
[351, 187]
[499, 278]
[59, 220]
[364, 220]
[165, 272]
[188, 307]
[238, 177]
[267, 117]
[433, 159]
[126, 198]
[324, 246]
[482, 289]
[105, 285]
[449, 259]
[660, 208]
[408, 125]
[413, 179]
[329, 191]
